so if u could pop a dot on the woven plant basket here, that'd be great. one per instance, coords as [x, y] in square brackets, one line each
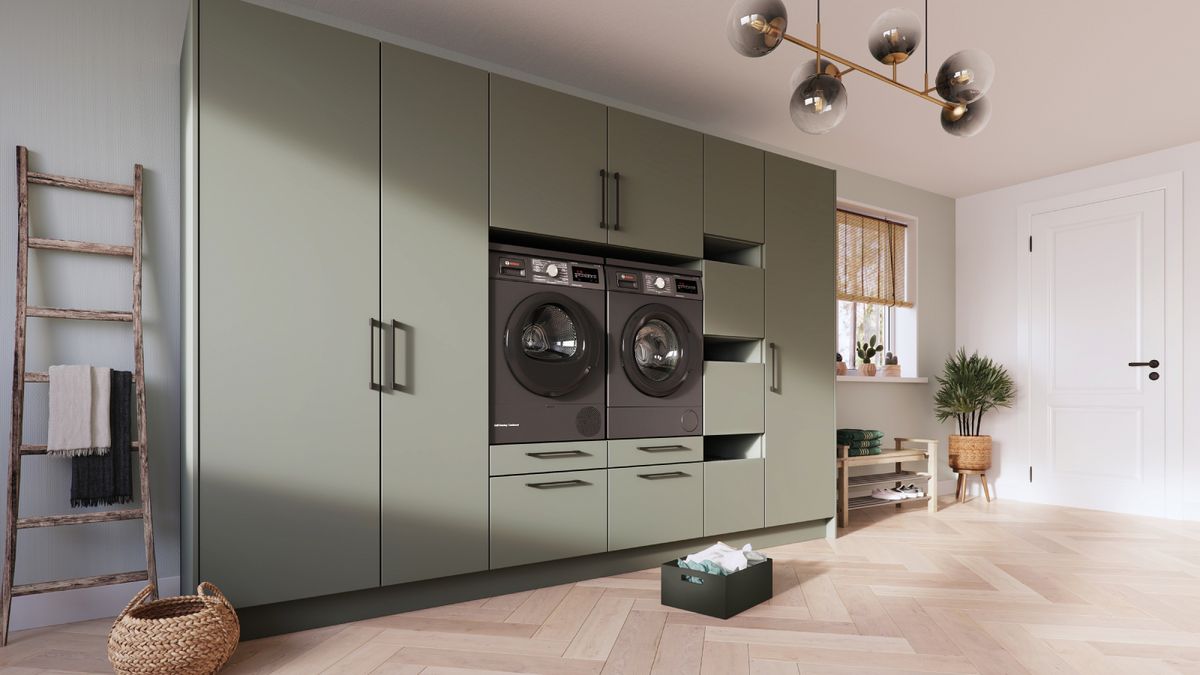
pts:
[186, 635]
[973, 453]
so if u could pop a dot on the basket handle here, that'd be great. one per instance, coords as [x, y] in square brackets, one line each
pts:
[211, 590]
[137, 600]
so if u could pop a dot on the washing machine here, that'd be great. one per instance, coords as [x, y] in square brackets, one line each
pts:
[547, 338]
[655, 351]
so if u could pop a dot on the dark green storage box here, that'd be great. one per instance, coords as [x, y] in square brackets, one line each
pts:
[716, 595]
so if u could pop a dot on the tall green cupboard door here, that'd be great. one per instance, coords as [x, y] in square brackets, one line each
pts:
[288, 282]
[435, 290]
[548, 152]
[801, 339]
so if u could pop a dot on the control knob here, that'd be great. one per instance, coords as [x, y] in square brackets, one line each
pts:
[552, 270]
[660, 283]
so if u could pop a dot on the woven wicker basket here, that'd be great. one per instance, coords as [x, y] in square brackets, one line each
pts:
[186, 635]
[973, 453]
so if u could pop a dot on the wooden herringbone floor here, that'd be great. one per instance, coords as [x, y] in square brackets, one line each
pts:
[980, 588]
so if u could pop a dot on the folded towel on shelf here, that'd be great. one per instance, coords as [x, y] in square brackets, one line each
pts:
[104, 480]
[876, 443]
[864, 452]
[846, 435]
[77, 425]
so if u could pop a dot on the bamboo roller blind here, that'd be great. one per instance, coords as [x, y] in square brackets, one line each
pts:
[871, 260]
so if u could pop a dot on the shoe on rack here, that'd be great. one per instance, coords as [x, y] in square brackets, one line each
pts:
[890, 494]
[911, 491]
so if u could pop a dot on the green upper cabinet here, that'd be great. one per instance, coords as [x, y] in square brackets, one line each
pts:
[733, 190]
[547, 153]
[434, 428]
[801, 338]
[288, 265]
[657, 185]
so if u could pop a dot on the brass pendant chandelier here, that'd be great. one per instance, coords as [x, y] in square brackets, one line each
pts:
[819, 102]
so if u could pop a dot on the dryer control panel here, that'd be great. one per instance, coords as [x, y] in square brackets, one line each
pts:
[673, 284]
[540, 269]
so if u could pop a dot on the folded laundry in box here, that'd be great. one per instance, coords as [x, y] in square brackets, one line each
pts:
[722, 559]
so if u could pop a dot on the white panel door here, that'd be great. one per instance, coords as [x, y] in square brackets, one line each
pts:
[1098, 306]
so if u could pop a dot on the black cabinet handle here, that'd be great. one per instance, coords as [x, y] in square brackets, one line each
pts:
[663, 448]
[617, 204]
[397, 329]
[556, 454]
[558, 484]
[375, 323]
[603, 199]
[774, 367]
[663, 476]
[1153, 363]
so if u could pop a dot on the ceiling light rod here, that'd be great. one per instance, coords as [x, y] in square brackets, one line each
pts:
[825, 53]
[819, 100]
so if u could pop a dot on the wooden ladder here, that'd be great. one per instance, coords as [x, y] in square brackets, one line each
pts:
[18, 448]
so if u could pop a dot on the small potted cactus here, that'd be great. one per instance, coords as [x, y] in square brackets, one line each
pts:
[841, 365]
[891, 365]
[866, 352]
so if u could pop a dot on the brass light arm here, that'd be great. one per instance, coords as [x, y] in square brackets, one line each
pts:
[825, 53]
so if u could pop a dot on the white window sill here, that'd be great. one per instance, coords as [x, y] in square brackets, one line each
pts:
[879, 379]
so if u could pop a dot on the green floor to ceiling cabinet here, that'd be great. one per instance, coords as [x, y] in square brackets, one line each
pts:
[288, 277]
[434, 241]
[801, 339]
[733, 190]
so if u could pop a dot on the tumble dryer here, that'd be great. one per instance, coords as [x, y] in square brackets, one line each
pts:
[547, 346]
[655, 357]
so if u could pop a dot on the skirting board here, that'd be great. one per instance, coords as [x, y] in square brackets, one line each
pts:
[297, 615]
[80, 604]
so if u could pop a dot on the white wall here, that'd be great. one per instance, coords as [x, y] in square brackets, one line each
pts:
[92, 88]
[988, 250]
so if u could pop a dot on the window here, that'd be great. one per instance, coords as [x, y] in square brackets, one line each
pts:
[872, 282]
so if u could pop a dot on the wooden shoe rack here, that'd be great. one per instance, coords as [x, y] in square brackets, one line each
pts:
[907, 450]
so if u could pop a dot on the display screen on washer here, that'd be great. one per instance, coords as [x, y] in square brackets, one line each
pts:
[586, 275]
[689, 286]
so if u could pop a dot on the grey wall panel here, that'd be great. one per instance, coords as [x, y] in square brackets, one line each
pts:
[289, 277]
[800, 322]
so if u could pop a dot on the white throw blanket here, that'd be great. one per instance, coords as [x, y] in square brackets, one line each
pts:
[79, 401]
[727, 557]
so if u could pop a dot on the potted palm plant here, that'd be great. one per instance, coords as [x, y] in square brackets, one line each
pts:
[970, 387]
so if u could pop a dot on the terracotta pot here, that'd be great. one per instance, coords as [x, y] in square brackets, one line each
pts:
[867, 369]
[891, 371]
[841, 368]
[973, 453]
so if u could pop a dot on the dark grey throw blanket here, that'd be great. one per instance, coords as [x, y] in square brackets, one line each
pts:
[108, 479]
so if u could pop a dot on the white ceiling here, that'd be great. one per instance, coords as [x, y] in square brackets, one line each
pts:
[1078, 82]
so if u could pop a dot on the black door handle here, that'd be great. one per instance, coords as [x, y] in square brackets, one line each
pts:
[661, 476]
[663, 448]
[1153, 363]
[557, 484]
[397, 329]
[375, 323]
[555, 454]
[617, 204]
[603, 199]
[774, 367]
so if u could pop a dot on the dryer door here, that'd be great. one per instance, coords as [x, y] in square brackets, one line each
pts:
[550, 344]
[656, 350]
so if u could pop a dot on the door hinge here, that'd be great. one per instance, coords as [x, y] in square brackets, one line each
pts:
[1031, 243]
[1030, 474]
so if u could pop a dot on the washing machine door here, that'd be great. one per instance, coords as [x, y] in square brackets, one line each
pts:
[656, 348]
[551, 344]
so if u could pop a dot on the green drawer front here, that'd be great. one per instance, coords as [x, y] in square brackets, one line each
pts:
[733, 300]
[507, 460]
[645, 451]
[733, 398]
[733, 496]
[655, 504]
[547, 517]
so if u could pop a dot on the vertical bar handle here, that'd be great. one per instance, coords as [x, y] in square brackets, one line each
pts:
[603, 199]
[617, 204]
[375, 323]
[397, 329]
[774, 367]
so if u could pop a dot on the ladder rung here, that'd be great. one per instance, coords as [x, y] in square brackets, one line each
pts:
[80, 246]
[79, 518]
[41, 449]
[37, 377]
[85, 314]
[81, 582]
[39, 178]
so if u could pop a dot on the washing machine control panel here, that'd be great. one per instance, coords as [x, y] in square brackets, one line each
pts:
[554, 272]
[665, 284]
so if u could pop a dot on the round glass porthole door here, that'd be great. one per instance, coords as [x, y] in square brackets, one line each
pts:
[550, 344]
[655, 350]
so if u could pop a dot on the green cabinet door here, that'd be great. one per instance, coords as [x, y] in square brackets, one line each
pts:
[547, 153]
[655, 504]
[656, 194]
[548, 516]
[434, 238]
[733, 300]
[801, 338]
[733, 190]
[288, 280]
